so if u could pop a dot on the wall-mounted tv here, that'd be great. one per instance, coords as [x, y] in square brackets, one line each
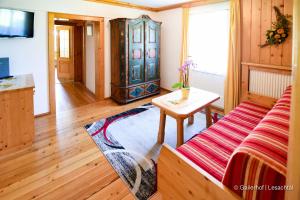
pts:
[16, 23]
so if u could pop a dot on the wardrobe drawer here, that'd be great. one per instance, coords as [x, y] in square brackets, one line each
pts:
[152, 87]
[135, 92]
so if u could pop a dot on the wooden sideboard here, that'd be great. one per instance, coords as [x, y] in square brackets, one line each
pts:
[16, 113]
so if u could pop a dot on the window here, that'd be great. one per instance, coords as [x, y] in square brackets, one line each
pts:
[209, 37]
[64, 39]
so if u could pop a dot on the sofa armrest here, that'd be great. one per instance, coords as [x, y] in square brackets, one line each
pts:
[180, 178]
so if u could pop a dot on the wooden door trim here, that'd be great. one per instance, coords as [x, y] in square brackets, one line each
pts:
[99, 67]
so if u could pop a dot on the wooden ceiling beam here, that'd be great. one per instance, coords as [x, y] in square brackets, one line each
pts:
[188, 4]
[192, 3]
[123, 4]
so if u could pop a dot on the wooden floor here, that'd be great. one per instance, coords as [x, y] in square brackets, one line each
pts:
[71, 95]
[64, 162]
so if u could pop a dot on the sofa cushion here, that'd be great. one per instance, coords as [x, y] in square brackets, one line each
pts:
[212, 148]
[261, 158]
[285, 99]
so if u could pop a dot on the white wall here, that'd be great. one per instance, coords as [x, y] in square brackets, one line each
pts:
[31, 55]
[209, 82]
[171, 32]
[171, 38]
[90, 63]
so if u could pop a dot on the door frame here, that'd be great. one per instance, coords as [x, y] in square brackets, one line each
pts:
[99, 54]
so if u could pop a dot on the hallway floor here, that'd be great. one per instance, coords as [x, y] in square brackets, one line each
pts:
[70, 95]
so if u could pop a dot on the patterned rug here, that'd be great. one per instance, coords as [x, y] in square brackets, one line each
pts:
[128, 140]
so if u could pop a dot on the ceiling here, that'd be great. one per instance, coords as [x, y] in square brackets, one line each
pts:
[154, 3]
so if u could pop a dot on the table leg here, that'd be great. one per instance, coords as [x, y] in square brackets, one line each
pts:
[208, 117]
[162, 123]
[179, 131]
[191, 120]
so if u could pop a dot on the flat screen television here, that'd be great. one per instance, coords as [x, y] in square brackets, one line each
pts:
[16, 23]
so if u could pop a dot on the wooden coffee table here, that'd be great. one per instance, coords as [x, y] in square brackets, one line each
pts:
[173, 105]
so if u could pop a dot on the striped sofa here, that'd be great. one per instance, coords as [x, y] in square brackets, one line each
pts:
[246, 150]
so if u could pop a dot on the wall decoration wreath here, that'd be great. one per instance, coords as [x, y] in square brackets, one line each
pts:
[280, 29]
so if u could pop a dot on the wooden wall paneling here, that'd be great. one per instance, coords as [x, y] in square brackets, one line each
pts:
[245, 81]
[257, 18]
[266, 23]
[276, 51]
[255, 31]
[287, 45]
[246, 27]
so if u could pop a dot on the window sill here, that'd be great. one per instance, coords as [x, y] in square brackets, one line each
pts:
[208, 73]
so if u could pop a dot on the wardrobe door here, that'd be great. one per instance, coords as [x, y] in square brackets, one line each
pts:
[136, 58]
[152, 48]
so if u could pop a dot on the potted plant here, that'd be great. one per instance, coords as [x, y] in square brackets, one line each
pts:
[184, 83]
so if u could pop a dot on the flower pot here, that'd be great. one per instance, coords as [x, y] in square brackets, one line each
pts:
[185, 92]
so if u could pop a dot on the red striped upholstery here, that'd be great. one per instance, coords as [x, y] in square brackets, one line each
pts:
[261, 158]
[212, 148]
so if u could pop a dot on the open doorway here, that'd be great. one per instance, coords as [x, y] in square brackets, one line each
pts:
[74, 87]
[76, 61]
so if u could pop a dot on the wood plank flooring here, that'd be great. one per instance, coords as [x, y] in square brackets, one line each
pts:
[71, 95]
[64, 162]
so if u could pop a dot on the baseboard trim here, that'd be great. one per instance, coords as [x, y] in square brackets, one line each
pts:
[166, 89]
[42, 115]
[89, 91]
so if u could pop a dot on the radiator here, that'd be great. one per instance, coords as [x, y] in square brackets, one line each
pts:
[268, 84]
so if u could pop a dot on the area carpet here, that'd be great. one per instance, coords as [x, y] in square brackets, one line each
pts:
[129, 142]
